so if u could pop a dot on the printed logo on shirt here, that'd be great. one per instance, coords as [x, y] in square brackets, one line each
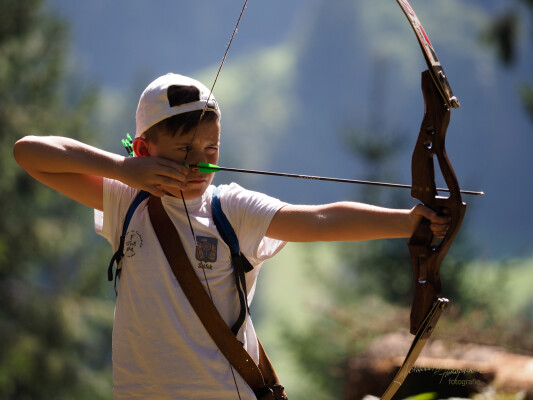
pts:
[206, 251]
[132, 242]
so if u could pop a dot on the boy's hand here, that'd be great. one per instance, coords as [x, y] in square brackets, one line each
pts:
[154, 174]
[439, 224]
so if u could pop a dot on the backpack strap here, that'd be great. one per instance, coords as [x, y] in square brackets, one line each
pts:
[117, 257]
[226, 230]
[240, 263]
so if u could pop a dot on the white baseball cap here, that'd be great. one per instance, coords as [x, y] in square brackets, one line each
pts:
[154, 105]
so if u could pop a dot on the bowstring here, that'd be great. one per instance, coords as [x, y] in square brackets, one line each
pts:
[217, 75]
[185, 162]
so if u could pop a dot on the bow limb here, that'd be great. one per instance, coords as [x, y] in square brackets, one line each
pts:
[421, 337]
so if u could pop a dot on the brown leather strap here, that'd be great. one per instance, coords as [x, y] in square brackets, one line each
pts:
[205, 309]
[271, 378]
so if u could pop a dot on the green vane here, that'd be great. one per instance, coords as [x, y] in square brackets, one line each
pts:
[128, 144]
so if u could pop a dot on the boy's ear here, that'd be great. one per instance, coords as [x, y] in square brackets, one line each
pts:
[140, 147]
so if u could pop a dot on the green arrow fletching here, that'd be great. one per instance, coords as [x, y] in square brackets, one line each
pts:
[204, 168]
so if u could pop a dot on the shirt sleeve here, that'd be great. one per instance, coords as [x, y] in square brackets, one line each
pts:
[117, 198]
[250, 214]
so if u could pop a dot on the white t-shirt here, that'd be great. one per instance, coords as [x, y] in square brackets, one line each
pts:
[160, 348]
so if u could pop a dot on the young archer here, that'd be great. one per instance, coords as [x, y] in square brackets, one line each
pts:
[160, 348]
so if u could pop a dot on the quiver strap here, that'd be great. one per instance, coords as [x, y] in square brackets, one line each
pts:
[262, 380]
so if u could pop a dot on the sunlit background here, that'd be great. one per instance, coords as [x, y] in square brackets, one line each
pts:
[311, 87]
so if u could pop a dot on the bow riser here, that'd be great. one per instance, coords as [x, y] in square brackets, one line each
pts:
[426, 251]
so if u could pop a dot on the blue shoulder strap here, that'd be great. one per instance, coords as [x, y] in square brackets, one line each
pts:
[117, 257]
[240, 264]
[225, 229]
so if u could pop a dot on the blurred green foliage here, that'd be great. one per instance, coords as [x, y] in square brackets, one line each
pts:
[319, 316]
[55, 329]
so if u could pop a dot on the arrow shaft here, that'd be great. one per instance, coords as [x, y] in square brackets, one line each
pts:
[322, 178]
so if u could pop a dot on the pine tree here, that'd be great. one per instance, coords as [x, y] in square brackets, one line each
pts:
[55, 335]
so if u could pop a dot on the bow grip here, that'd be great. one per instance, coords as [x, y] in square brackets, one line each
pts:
[426, 273]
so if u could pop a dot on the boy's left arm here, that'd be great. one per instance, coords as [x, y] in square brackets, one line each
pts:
[350, 221]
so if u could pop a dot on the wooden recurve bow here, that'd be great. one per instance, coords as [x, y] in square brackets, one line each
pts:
[426, 251]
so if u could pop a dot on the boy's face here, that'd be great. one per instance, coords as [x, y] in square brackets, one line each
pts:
[203, 144]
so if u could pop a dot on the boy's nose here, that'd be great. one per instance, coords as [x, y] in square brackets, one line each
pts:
[195, 157]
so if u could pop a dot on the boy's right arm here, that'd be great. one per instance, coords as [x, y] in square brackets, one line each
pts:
[77, 169]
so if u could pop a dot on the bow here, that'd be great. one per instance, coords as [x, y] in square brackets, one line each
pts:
[426, 251]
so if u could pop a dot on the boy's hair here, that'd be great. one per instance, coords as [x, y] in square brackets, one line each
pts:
[173, 104]
[180, 123]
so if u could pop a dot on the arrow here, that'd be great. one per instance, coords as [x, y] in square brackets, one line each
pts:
[208, 168]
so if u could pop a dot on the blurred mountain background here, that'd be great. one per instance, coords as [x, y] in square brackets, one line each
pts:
[312, 87]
